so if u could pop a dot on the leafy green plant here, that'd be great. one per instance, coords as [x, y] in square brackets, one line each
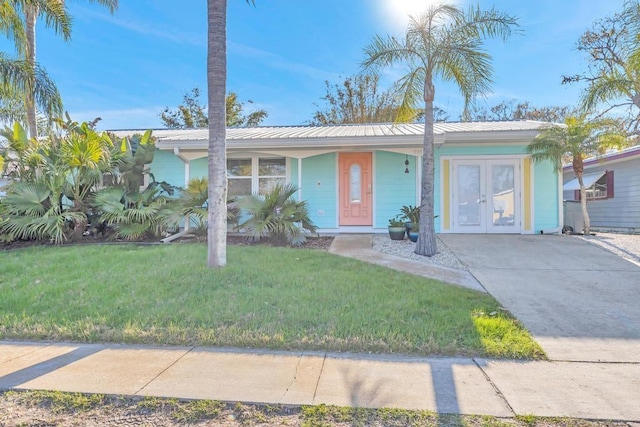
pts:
[192, 206]
[411, 214]
[396, 221]
[56, 178]
[35, 210]
[277, 216]
[131, 216]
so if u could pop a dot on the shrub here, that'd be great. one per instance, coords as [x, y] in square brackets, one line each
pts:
[277, 216]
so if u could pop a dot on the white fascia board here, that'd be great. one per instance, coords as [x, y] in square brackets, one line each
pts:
[490, 137]
[329, 144]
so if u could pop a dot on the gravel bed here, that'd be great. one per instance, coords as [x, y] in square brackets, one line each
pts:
[624, 245]
[444, 257]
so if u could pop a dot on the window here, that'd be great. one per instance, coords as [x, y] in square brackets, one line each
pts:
[355, 186]
[239, 177]
[271, 172]
[600, 189]
[255, 175]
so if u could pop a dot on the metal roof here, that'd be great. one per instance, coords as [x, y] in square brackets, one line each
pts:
[337, 132]
[614, 156]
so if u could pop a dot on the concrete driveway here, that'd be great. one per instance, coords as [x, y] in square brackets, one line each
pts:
[580, 302]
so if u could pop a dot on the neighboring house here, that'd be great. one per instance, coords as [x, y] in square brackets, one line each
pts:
[613, 190]
[356, 177]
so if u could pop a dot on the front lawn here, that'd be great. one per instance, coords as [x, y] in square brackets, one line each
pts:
[266, 297]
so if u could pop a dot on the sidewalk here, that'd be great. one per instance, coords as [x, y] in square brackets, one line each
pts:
[444, 385]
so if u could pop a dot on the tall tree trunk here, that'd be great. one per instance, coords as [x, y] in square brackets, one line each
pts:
[583, 205]
[578, 168]
[426, 244]
[216, 83]
[31, 11]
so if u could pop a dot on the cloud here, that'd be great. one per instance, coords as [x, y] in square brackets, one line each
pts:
[148, 29]
[274, 60]
[128, 118]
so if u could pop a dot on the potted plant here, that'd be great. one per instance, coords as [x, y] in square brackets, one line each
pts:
[413, 232]
[411, 214]
[396, 228]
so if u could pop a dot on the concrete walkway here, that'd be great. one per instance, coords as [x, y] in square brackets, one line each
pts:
[444, 385]
[359, 246]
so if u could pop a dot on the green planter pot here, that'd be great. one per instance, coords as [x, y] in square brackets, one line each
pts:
[397, 233]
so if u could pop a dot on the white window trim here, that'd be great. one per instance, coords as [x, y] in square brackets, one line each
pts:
[255, 169]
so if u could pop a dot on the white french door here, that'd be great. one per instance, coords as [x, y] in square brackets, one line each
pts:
[486, 195]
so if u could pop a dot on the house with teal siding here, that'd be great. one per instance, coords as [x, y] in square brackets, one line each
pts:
[356, 177]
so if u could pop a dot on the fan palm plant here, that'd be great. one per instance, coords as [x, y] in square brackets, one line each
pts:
[277, 216]
[192, 207]
[35, 210]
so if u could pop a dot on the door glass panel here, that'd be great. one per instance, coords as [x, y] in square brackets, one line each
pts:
[503, 195]
[355, 186]
[469, 200]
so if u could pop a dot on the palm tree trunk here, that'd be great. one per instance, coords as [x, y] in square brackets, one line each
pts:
[31, 11]
[216, 82]
[583, 205]
[426, 244]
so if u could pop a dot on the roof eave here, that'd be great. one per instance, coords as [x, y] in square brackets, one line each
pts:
[517, 137]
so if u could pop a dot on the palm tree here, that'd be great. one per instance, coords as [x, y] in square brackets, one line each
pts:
[573, 142]
[57, 17]
[217, 170]
[12, 26]
[445, 43]
[21, 77]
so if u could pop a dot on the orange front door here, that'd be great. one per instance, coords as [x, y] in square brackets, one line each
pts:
[355, 189]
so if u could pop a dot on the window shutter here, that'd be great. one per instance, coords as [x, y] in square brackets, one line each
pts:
[576, 194]
[609, 177]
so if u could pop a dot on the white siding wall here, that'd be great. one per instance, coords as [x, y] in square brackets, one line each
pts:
[623, 210]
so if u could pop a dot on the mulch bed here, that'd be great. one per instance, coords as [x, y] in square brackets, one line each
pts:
[319, 243]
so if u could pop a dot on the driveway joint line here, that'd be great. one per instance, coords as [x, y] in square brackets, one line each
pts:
[315, 391]
[295, 375]
[35, 350]
[493, 385]
[164, 370]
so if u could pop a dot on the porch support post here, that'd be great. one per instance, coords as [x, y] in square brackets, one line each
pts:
[299, 179]
[418, 179]
[187, 175]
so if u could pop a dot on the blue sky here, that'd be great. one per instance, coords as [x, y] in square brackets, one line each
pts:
[127, 66]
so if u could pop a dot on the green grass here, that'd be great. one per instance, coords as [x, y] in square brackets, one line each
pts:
[266, 297]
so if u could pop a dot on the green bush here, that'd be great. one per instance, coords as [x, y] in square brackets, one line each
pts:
[277, 216]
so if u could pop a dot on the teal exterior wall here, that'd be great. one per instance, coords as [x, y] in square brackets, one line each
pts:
[199, 168]
[393, 187]
[467, 150]
[167, 167]
[545, 196]
[319, 188]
